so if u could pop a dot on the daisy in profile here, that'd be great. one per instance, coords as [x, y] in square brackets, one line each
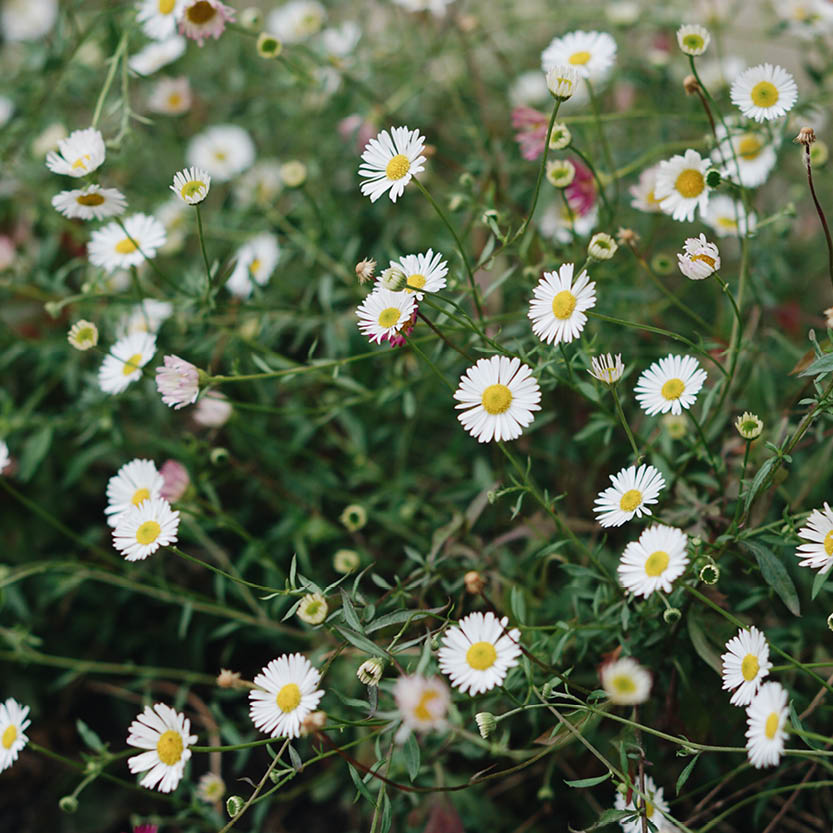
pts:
[90, 203]
[680, 186]
[643, 194]
[607, 369]
[157, 55]
[191, 185]
[383, 313]
[728, 218]
[171, 96]
[670, 384]
[422, 703]
[133, 483]
[142, 529]
[389, 161]
[254, 263]
[655, 808]
[478, 652]
[654, 561]
[125, 361]
[749, 152]
[165, 735]
[591, 54]
[764, 92]
[745, 664]
[113, 247]
[201, 19]
[178, 382]
[699, 258]
[625, 681]
[424, 271]
[159, 17]
[77, 155]
[766, 718]
[13, 724]
[497, 397]
[287, 691]
[817, 553]
[558, 304]
[222, 151]
[633, 490]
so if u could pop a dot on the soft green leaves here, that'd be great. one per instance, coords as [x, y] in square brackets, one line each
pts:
[776, 576]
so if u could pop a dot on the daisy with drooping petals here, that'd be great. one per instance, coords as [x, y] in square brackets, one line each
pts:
[191, 185]
[165, 734]
[90, 203]
[422, 703]
[817, 553]
[497, 397]
[633, 490]
[749, 152]
[766, 718]
[255, 261]
[113, 247]
[178, 382]
[745, 664]
[383, 313]
[607, 369]
[157, 55]
[625, 681]
[287, 692]
[142, 529]
[171, 96]
[670, 384]
[223, 151]
[13, 724]
[654, 561]
[699, 259]
[201, 19]
[591, 54]
[728, 218]
[557, 306]
[680, 187]
[77, 155]
[424, 271]
[764, 92]
[644, 192]
[478, 652]
[125, 361]
[159, 17]
[134, 482]
[389, 162]
[655, 808]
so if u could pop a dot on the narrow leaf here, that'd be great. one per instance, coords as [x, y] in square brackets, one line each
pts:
[776, 576]
[587, 782]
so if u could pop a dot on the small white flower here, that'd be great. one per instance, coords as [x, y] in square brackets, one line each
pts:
[817, 553]
[90, 203]
[210, 788]
[727, 217]
[654, 561]
[625, 681]
[764, 92]
[13, 724]
[591, 54]
[83, 335]
[201, 19]
[633, 490]
[296, 21]
[313, 609]
[212, 410]
[157, 55]
[146, 317]
[766, 718]
[670, 384]
[171, 96]
[561, 81]
[693, 39]
[5, 457]
[644, 192]
[700, 258]
[745, 664]
[422, 702]
[142, 529]
[191, 185]
[125, 361]
[558, 305]
[178, 382]
[254, 263]
[133, 483]
[165, 734]
[423, 273]
[222, 151]
[606, 369]
[383, 313]
[112, 247]
[390, 161]
[79, 154]
[27, 20]
[159, 17]
[750, 152]
[680, 186]
[655, 808]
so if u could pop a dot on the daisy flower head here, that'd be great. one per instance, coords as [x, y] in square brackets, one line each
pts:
[222, 151]
[113, 247]
[558, 304]
[478, 652]
[680, 186]
[749, 425]
[171, 96]
[176, 480]
[497, 397]
[607, 369]
[90, 203]
[133, 483]
[728, 218]
[383, 313]
[159, 17]
[297, 20]
[287, 691]
[165, 735]
[83, 335]
[591, 54]
[146, 317]
[13, 724]
[125, 361]
[213, 410]
[142, 529]
[625, 681]
[201, 19]
[255, 261]
[25, 20]
[423, 273]
[178, 382]
[764, 92]
[191, 185]
[766, 718]
[699, 258]
[655, 808]
[745, 664]
[654, 561]
[422, 702]
[749, 153]
[561, 81]
[817, 553]
[633, 490]
[77, 155]
[389, 162]
[313, 609]
[211, 788]
[157, 55]
[643, 194]
[670, 384]
[693, 39]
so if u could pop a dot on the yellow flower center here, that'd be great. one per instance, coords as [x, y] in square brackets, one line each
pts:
[727, 222]
[288, 698]
[220, 155]
[132, 364]
[673, 389]
[398, 167]
[9, 737]
[166, 6]
[656, 563]
[563, 304]
[705, 258]
[388, 317]
[201, 12]
[579, 57]
[254, 266]
[416, 281]
[690, 183]
[89, 199]
[481, 655]
[693, 41]
[630, 500]
[148, 532]
[497, 399]
[174, 101]
[81, 161]
[126, 246]
[623, 684]
[764, 94]
[771, 725]
[421, 708]
[169, 747]
[649, 809]
[828, 542]
[749, 147]
[749, 667]
[191, 188]
[139, 495]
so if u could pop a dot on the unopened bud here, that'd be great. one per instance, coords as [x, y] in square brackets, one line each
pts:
[713, 178]
[671, 615]
[710, 573]
[234, 804]
[830, 621]
[690, 85]
[474, 582]
[393, 279]
[218, 456]
[560, 137]
[627, 237]
[251, 18]
[561, 173]
[370, 671]
[268, 46]
[749, 425]
[228, 679]
[601, 246]
[68, 803]
[486, 723]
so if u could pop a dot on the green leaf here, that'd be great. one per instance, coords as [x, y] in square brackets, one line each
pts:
[686, 772]
[587, 782]
[89, 736]
[402, 616]
[34, 450]
[350, 613]
[362, 642]
[818, 583]
[776, 576]
[823, 364]
[701, 644]
[758, 481]
[411, 750]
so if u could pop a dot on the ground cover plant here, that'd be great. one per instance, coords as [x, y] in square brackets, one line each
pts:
[416, 416]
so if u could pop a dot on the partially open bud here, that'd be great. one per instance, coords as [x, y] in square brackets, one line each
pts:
[313, 609]
[234, 804]
[365, 269]
[710, 573]
[370, 671]
[749, 425]
[561, 173]
[268, 46]
[561, 81]
[560, 137]
[602, 246]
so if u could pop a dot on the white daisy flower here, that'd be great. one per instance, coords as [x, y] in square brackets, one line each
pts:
[223, 151]
[157, 55]
[255, 261]
[727, 217]
[422, 702]
[655, 808]
[133, 483]
[817, 553]
[211, 788]
[125, 361]
[699, 259]
[171, 96]
[562, 80]
[201, 19]
[287, 692]
[633, 490]
[436, 7]
[478, 652]
[497, 397]
[296, 21]
[558, 304]
[766, 718]
[529, 89]
[90, 203]
[693, 39]
[607, 369]
[142, 529]
[191, 185]
[643, 193]
[340, 41]
[5, 457]
[13, 724]
[27, 20]
[680, 186]
[764, 92]
[745, 664]
[754, 154]
[670, 384]
[389, 162]
[654, 561]
[591, 54]
[558, 222]
[79, 154]
[625, 681]
[383, 313]
[165, 734]
[159, 17]
[260, 185]
[146, 317]
[424, 271]
[113, 247]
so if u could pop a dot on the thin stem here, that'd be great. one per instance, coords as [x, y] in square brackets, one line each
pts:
[439, 332]
[229, 576]
[594, 103]
[204, 256]
[705, 442]
[819, 210]
[541, 171]
[596, 176]
[428, 361]
[108, 81]
[637, 456]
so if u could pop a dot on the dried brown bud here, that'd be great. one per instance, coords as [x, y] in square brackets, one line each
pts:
[474, 582]
[365, 270]
[690, 85]
[627, 237]
[313, 722]
[806, 136]
[228, 679]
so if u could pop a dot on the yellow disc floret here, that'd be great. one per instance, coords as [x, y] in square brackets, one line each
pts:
[690, 183]
[288, 698]
[398, 166]
[749, 667]
[563, 304]
[169, 747]
[481, 655]
[673, 389]
[630, 500]
[764, 94]
[656, 563]
[497, 399]
[148, 532]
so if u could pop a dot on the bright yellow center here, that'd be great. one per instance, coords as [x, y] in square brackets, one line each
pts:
[673, 389]
[630, 500]
[749, 147]
[764, 94]
[705, 258]
[690, 183]
[497, 399]
[139, 495]
[132, 364]
[81, 161]
[9, 737]
[254, 266]
[656, 563]
[126, 246]
[169, 747]
[771, 725]
[388, 317]
[201, 12]
[398, 167]
[481, 655]
[416, 281]
[563, 304]
[623, 684]
[727, 222]
[421, 708]
[174, 101]
[649, 809]
[89, 199]
[191, 188]
[828, 542]
[166, 6]
[148, 532]
[749, 667]
[288, 698]
[579, 57]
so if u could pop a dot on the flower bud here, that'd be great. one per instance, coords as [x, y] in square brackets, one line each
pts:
[561, 173]
[602, 246]
[293, 173]
[561, 81]
[345, 561]
[251, 18]
[354, 517]
[68, 803]
[234, 804]
[713, 178]
[671, 615]
[830, 621]
[393, 279]
[365, 269]
[560, 137]
[749, 426]
[313, 609]
[710, 573]
[370, 671]
[486, 723]
[268, 46]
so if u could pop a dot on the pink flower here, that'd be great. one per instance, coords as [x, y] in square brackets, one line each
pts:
[357, 128]
[581, 193]
[531, 125]
[212, 410]
[178, 382]
[203, 19]
[176, 480]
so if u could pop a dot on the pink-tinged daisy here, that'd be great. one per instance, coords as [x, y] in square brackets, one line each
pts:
[203, 19]
[384, 313]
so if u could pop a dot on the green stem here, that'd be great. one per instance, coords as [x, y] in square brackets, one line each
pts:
[597, 178]
[636, 455]
[541, 171]
[594, 103]
[428, 362]
[108, 81]
[208, 297]
[229, 576]
[705, 442]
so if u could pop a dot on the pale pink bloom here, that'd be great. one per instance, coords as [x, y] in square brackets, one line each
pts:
[203, 19]
[178, 382]
[531, 125]
[581, 192]
[213, 410]
[176, 480]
